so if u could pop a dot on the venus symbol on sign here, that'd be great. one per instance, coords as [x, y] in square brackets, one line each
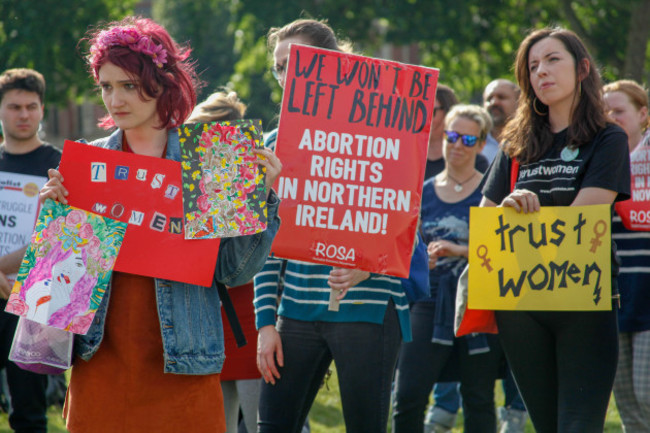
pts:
[596, 242]
[482, 252]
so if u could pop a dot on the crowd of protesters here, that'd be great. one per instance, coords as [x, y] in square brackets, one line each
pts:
[151, 363]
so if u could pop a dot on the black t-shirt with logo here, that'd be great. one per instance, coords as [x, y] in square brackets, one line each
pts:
[35, 163]
[561, 172]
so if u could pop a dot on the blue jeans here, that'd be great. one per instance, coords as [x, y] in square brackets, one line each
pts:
[513, 399]
[446, 396]
[420, 364]
[365, 355]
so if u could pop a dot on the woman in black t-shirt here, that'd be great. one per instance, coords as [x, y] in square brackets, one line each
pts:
[563, 362]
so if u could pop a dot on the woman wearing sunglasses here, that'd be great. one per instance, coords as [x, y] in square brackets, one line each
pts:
[446, 199]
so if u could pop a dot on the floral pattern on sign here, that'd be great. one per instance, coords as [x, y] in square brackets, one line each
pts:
[223, 188]
[67, 267]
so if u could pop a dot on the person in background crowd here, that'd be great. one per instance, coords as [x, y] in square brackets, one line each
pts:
[500, 100]
[445, 99]
[446, 200]
[22, 93]
[362, 338]
[627, 103]
[151, 359]
[564, 362]
[441, 416]
[240, 379]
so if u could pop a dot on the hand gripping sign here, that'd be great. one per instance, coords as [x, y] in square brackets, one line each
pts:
[557, 259]
[352, 139]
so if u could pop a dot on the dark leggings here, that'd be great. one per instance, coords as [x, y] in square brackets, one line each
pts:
[421, 364]
[564, 364]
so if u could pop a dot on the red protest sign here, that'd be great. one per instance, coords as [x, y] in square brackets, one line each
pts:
[146, 193]
[353, 140]
[635, 212]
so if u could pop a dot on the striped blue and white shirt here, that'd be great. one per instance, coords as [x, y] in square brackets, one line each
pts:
[633, 249]
[306, 297]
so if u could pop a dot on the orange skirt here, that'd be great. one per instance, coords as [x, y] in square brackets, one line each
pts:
[123, 388]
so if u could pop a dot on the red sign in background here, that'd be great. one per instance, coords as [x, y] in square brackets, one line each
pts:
[635, 212]
[353, 140]
[146, 193]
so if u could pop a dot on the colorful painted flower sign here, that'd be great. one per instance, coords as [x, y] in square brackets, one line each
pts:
[67, 267]
[223, 188]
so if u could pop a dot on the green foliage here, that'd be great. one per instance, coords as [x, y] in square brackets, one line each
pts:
[44, 35]
[208, 25]
[470, 41]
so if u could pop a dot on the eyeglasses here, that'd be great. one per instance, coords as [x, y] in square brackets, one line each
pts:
[468, 140]
[278, 70]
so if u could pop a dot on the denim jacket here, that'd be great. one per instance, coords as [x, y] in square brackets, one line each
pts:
[190, 317]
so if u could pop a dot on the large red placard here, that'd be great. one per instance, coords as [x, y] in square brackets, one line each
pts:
[353, 140]
[146, 193]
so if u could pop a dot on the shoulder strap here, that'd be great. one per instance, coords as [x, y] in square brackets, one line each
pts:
[231, 314]
[514, 174]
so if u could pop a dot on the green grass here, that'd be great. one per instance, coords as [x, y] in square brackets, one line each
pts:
[55, 422]
[326, 416]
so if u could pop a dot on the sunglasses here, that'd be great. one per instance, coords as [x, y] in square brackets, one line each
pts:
[468, 140]
[278, 70]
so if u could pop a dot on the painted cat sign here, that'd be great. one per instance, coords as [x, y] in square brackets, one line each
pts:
[352, 139]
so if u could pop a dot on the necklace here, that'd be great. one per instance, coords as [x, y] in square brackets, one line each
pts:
[459, 185]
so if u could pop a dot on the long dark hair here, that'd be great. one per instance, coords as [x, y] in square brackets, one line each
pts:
[527, 136]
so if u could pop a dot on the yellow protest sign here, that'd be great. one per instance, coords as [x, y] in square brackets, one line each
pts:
[556, 259]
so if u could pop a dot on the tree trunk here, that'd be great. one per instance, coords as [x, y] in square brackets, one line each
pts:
[637, 41]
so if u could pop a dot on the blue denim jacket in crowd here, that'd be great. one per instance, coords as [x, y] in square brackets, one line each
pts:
[190, 317]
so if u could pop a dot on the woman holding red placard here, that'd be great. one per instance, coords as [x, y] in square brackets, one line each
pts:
[146, 327]
[362, 334]
[563, 361]
[627, 103]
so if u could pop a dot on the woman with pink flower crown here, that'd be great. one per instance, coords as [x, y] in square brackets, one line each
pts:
[152, 356]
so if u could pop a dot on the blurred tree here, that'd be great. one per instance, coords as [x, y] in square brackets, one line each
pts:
[471, 41]
[44, 35]
[208, 26]
[356, 21]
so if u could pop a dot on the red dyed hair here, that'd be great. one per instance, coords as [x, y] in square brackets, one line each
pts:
[174, 84]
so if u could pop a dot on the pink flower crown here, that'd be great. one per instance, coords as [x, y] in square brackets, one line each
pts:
[129, 37]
